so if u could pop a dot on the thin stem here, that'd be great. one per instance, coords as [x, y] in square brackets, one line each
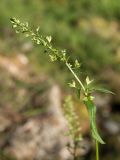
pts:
[74, 154]
[75, 76]
[97, 150]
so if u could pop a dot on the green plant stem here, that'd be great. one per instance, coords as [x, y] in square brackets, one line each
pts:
[97, 149]
[76, 77]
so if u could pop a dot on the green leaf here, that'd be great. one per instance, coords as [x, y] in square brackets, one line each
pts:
[92, 113]
[77, 64]
[63, 57]
[72, 84]
[37, 29]
[53, 58]
[88, 81]
[103, 90]
[49, 38]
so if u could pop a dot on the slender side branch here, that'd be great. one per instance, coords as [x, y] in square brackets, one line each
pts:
[76, 77]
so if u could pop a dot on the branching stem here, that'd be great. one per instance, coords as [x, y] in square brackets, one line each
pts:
[76, 77]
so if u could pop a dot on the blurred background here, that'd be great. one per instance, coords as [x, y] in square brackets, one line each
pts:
[32, 89]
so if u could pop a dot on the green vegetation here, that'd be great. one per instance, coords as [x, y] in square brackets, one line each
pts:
[73, 126]
[78, 21]
[62, 56]
[88, 29]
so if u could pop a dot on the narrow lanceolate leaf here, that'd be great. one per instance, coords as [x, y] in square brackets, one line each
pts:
[103, 90]
[92, 112]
